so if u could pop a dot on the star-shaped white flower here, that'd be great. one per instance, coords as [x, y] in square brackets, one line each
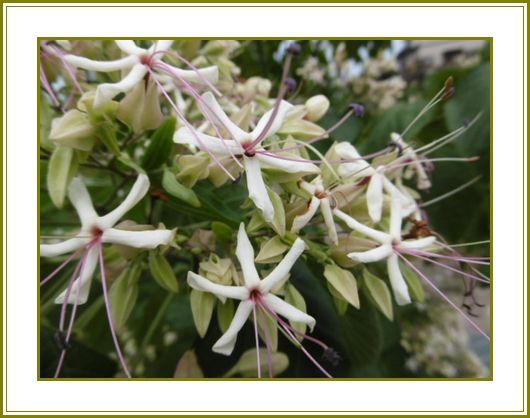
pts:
[97, 230]
[137, 62]
[358, 168]
[255, 292]
[320, 199]
[243, 145]
[389, 249]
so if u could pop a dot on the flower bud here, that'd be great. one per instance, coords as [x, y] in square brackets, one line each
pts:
[73, 130]
[316, 107]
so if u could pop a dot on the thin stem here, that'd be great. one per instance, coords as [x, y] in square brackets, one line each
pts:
[109, 313]
[450, 193]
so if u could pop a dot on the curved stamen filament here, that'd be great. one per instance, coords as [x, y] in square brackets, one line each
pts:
[472, 260]
[63, 265]
[263, 324]
[256, 336]
[47, 86]
[451, 192]
[437, 290]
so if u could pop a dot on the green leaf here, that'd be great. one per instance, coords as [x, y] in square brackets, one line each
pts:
[160, 146]
[413, 282]
[278, 223]
[271, 250]
[175, 189]
[344, 283]
[225, 314]
[162, 272]
[123, 294]
[295, 298]
[222, 231]
[202, 305]
[247, 365]
[126, 160]
[380, 294]
[61, 169]
[106, 132]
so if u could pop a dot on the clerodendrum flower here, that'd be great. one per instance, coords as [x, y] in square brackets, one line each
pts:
[319, 199]
[256, 294]
[357, 167]
[246, 146]
[95, 231]
[138, 62]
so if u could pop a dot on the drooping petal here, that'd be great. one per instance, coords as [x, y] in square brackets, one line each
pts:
[138, 239]
[245, 255]
[101, 66]
[130, 48]
[325, 208]
[81, 285]
[211, 74]
[277, 122]
[288, 166]
[288, 311]
[370, 256]
[222, 292]
[216, 113]
[374, 197]
[301, 220]
[78, 195]
[68, 246]
[398, 283]
[225, 344]
[418, 243]
[213, 144]
[138, 191]
[257, 192]
[107, 91]
[282, 269]
[363, 229]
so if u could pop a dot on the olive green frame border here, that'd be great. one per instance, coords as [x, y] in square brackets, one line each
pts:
[277, 5]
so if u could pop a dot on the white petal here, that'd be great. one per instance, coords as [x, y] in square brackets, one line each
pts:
[395, 216]
[206, 142]
[377, 254]
[363, 229]
[245, 255]
[163, 45]
[399, 286]
[282, 269]
[222, 292]
[418, 243]
[287, 165]
[374, 197]
[138, 239]
[78, 195]
[81, 285]
[68, 246]
[277, 122]
[225, 344]
[102, 66]
[288, 311]
[138, 191]
[325, 208]
[211, 74]
[308, 187]
[108, 91]
[257, 191]
[357, 167]
[219, 117]
[301, 220]
[130, 48]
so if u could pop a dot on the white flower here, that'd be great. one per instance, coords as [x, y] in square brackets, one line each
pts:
[391, 246]
[245, 145]
[97, 230]
[409, 154]
[320, 199]
[137, 62]
[358, 168]
[255, 292]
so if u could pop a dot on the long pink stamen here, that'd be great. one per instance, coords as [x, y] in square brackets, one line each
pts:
[256, 336]
[471, 276]
[63, 265]
[433, 286]
[47, 86]
[68, 67]
[472, 260]
[190, 128]
[109, 313]
[163, 66]
[263, 323]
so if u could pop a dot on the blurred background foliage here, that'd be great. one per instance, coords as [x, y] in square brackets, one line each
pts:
[394, 80]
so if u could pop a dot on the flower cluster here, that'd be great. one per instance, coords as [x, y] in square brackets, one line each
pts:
[184, 135]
